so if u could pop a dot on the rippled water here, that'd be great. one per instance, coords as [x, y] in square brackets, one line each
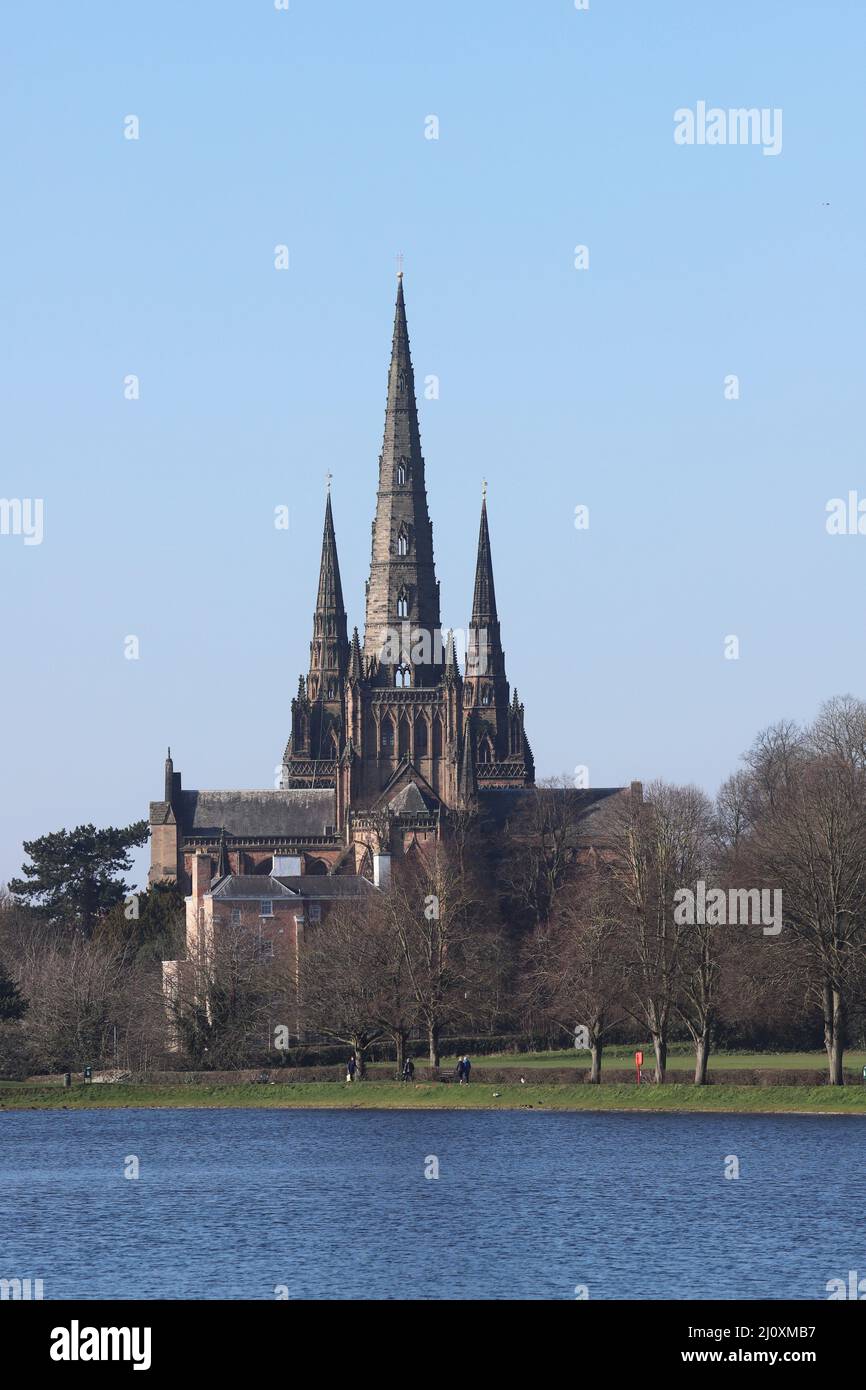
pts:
[233, 1203]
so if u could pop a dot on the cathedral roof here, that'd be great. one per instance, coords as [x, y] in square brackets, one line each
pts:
[404, 777]
[294, 813]
[409, 801]
[588, 810]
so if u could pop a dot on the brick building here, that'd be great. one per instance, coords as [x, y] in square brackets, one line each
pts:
[268, 912]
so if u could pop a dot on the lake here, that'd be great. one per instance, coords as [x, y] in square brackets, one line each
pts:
[335, 1204]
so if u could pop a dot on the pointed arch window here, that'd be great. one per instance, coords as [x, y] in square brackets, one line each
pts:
[485, 695]
[403, 603]
[403, 677]
[403, 540]
[403, 471]
[387, 736]
[332, 690]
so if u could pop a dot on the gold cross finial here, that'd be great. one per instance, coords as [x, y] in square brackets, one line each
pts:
[399, 265]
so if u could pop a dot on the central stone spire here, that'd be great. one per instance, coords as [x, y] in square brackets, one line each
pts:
[402, 643]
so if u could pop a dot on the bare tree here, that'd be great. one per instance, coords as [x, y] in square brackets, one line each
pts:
[341, 978]
[810, 840]
[542, 849]
[573, 966]
[658, 847]
[436, 917]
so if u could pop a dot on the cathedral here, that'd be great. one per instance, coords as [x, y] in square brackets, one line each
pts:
[388, 737]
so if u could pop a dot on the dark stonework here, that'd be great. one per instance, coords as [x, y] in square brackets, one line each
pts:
[385, 735]
[402, 709]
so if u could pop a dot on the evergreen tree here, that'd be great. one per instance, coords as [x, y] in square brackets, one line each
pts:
[73, 879]
[12, 1003]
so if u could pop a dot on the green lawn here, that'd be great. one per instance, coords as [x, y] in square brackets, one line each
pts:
[680, 1058]
[433, 1096]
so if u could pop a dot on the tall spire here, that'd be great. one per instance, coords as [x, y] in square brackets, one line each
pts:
[484, 654]
[329, 648]
[402, 592]
[330, 594]
[484, 595]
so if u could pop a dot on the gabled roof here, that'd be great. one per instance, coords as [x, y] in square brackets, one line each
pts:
[295, 888]
[409, 801]
[251, 886]
[327, 886]
[405, 776]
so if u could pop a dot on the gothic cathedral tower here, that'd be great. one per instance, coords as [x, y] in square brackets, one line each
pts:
[393, 724]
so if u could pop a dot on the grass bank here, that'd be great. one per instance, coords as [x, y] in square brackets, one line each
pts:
[681, 1058]
[373, 1095]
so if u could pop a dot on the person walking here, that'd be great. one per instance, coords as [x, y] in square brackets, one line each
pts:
[461, 1071]
[351, 1068]
[408, 1070]
[467, 1067]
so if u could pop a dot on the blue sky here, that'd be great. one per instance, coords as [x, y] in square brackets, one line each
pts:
[562, 387]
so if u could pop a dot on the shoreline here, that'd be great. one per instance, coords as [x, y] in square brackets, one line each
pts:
[483, 1097]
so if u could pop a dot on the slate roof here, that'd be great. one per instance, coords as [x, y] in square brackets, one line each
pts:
[293, 814]
[328, 886]
[255, 887]
[517, 808]
[409, 801]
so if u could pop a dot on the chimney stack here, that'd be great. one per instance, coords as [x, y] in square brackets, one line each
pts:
[382, 870]
[202, 873]
[286, 866]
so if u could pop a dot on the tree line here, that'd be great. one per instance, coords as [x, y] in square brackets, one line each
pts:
[738, 920]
